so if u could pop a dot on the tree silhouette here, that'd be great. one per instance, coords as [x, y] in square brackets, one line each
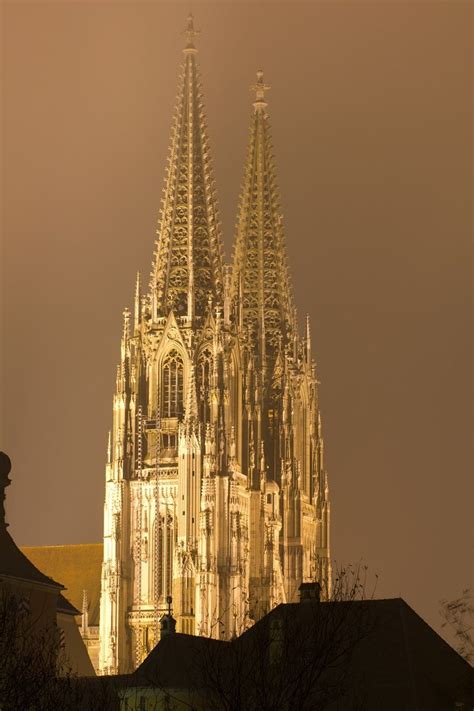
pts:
[35, 672]
[458, 615]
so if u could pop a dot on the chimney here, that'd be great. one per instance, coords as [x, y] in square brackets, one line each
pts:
[310, 592]
[167, 622]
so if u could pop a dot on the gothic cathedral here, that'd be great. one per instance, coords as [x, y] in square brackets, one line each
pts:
[216, 492]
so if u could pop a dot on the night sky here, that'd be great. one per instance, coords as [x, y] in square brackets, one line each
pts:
[371, 114]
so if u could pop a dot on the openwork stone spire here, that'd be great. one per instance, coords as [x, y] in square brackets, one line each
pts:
[187, 266]
[260, 280]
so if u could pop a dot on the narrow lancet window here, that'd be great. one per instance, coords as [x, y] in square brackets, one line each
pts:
[172, 385]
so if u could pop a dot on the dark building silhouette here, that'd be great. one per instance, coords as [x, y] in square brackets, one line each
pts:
[39, 596]
[377, 655]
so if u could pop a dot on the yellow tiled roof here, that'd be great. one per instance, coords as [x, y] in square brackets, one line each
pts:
[76, 566]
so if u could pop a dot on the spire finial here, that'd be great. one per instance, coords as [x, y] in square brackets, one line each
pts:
[126, 322]
[125, 333]
[190, 33]
[260, 88]
[308, 340]
[138, 296]
[85, 612]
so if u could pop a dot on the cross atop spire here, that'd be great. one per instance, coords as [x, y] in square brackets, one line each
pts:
[260, 88]
[190, 33]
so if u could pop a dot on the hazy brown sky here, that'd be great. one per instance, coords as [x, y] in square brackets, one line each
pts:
[371, 114]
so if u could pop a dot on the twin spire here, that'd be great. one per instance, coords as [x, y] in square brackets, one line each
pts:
[261, 282]
[188, 270]
[188, 265]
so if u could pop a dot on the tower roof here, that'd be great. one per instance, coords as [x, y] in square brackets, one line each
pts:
[187, 263]
[260, 278]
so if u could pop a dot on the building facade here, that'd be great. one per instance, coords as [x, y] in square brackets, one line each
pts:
[216, 492]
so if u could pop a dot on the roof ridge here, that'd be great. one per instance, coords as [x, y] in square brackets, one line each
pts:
[61, 545]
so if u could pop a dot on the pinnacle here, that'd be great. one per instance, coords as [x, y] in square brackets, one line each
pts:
[191, 411]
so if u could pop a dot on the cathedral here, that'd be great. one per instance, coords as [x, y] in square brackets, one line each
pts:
[216, 493]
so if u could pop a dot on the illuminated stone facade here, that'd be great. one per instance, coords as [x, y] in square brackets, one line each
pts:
[216, 491]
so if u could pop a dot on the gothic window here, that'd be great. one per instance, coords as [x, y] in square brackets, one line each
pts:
[172, 375]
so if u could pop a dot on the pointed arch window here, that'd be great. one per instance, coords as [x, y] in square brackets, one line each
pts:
[172, 379]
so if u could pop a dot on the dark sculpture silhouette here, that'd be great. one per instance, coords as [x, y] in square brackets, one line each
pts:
[5, 469]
